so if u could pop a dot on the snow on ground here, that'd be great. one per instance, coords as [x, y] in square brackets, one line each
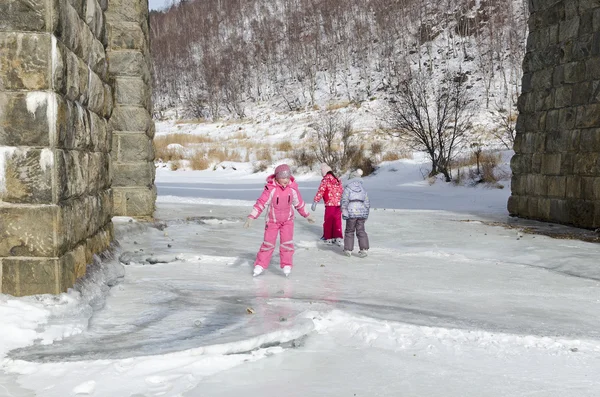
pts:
[444, 305]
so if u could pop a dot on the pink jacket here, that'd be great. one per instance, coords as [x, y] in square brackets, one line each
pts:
[280, 201]
[330, 190]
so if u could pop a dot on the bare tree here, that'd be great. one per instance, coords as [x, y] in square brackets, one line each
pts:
[505, 119]
[334, 138]
[431, 117]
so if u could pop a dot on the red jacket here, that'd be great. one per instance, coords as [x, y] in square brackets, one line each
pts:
[330, 190]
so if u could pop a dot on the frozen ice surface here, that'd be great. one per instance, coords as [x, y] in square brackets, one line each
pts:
[444, 305]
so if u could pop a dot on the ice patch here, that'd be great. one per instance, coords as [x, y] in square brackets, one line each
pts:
[5, 153]
[34, 100]
[46, 159]
[86, 388]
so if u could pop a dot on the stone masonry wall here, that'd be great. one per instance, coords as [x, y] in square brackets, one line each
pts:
[57, 116]
[55, 141]
[129, 68]
[556, 166]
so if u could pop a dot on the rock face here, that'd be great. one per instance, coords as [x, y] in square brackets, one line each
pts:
[75, 135]
[556, 166]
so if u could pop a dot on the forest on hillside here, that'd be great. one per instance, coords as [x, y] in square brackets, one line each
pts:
[213, 57]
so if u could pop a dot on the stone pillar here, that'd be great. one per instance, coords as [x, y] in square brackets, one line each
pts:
[556, 166]
[55, 141]
[129, 69]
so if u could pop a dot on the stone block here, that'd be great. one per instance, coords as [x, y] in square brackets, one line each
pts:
[28, 119]
[70, 29]
[132, 91]
[28, 15]
[581, 94]
[30, 276]
[588, 116]
[566, 118]
[518, 185]
[27, 175]
[569, 29]
[557, 186]
[28, 231]
[563, 96]
[135, 202]
[536, 163]
[95, 94]
[537, 185]
[592, 68]
[97, 60]
[108, 102]
[582, 48]
[590, 188]
[551, 163]
[94, 17]
[520, 164]
[130, 118]
[586, 25]
[128, 63]
[590, 140]
[566, 163]
[134, 147]
[126, 36]
[573, 189]
[98, 243]
[585, 164]
[127, 11]
[133, 174]
[559, 211]
[513, 205]
[25, 63]
[581, 212]
[596, 20]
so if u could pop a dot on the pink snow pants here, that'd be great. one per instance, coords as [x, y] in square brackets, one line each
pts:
[286, 244]
[332, 226]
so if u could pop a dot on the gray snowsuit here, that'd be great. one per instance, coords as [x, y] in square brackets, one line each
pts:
[355, 210]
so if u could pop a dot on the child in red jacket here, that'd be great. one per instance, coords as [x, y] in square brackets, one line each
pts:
[330, 190]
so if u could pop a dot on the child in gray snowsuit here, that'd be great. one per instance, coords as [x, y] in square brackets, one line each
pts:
[355, 211]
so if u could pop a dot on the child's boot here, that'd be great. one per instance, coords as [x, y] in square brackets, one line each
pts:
[362, 253]
[287, 270]
[257, 270]
[347, 253]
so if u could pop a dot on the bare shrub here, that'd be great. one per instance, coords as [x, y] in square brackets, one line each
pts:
[284, 146]
[304, 158]
[260, 166]
[175, 165]
[264, 154]
[198, 161]
[376, 148]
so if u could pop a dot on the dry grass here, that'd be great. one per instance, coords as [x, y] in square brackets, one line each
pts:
[192, 121]
[181, 139]
[239, 135]
[376, 147]
[338, 105]
[198, 161]
[175, 165]
[264, 154]
[284, 146]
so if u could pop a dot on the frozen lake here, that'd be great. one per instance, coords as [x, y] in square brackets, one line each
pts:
[444, 305]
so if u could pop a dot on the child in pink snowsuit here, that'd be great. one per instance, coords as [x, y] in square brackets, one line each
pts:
[330, 190]
[280, 197]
